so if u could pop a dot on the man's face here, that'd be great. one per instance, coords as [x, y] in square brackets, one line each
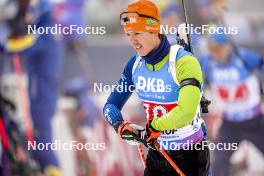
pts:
[220, 52]
[143, 42]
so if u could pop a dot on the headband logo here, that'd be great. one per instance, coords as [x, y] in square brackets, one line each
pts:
[129, 20]
[151, 21]
[151, 28]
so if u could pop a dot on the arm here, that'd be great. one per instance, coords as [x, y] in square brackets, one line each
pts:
[117, 99]
[131, 133]
[189, 96]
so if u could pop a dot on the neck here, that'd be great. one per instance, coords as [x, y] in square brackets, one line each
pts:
[159, 52]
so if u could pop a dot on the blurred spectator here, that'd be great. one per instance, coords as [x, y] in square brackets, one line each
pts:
[43, 64]
[67, 13]
[84, 115]
[230, 73]
[87, 126]
[172, 17]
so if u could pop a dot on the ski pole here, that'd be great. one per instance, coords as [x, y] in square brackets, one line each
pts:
[3, 134]
[168, 158]
[142, 156]
[23, 98]
[186, 21]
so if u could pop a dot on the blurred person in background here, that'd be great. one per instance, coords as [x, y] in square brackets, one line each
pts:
[82, 120]
[67, 13]
[209, 11]
[42, 57]
[171, 15]
[230, 72]
[170, 113]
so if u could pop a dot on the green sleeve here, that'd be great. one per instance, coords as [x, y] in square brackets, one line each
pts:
[189, 96]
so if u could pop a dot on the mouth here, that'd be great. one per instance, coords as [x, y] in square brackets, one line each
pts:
[137, 46]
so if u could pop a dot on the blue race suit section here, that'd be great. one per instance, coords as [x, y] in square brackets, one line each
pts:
[117, 98]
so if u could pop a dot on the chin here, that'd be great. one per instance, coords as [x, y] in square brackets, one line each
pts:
[143, 53]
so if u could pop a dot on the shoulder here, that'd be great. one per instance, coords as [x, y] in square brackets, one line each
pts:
[185, 57]
[182, 53]
[250, 58]
[188, 66]
[129, 66]
[131, 62]
[248, 53]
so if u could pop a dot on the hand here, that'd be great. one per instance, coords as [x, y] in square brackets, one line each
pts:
[151, 134]
[133, 134]
[182, 32]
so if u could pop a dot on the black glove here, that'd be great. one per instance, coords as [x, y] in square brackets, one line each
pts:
[133, 134]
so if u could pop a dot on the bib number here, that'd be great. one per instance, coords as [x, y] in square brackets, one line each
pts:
[155, 112]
